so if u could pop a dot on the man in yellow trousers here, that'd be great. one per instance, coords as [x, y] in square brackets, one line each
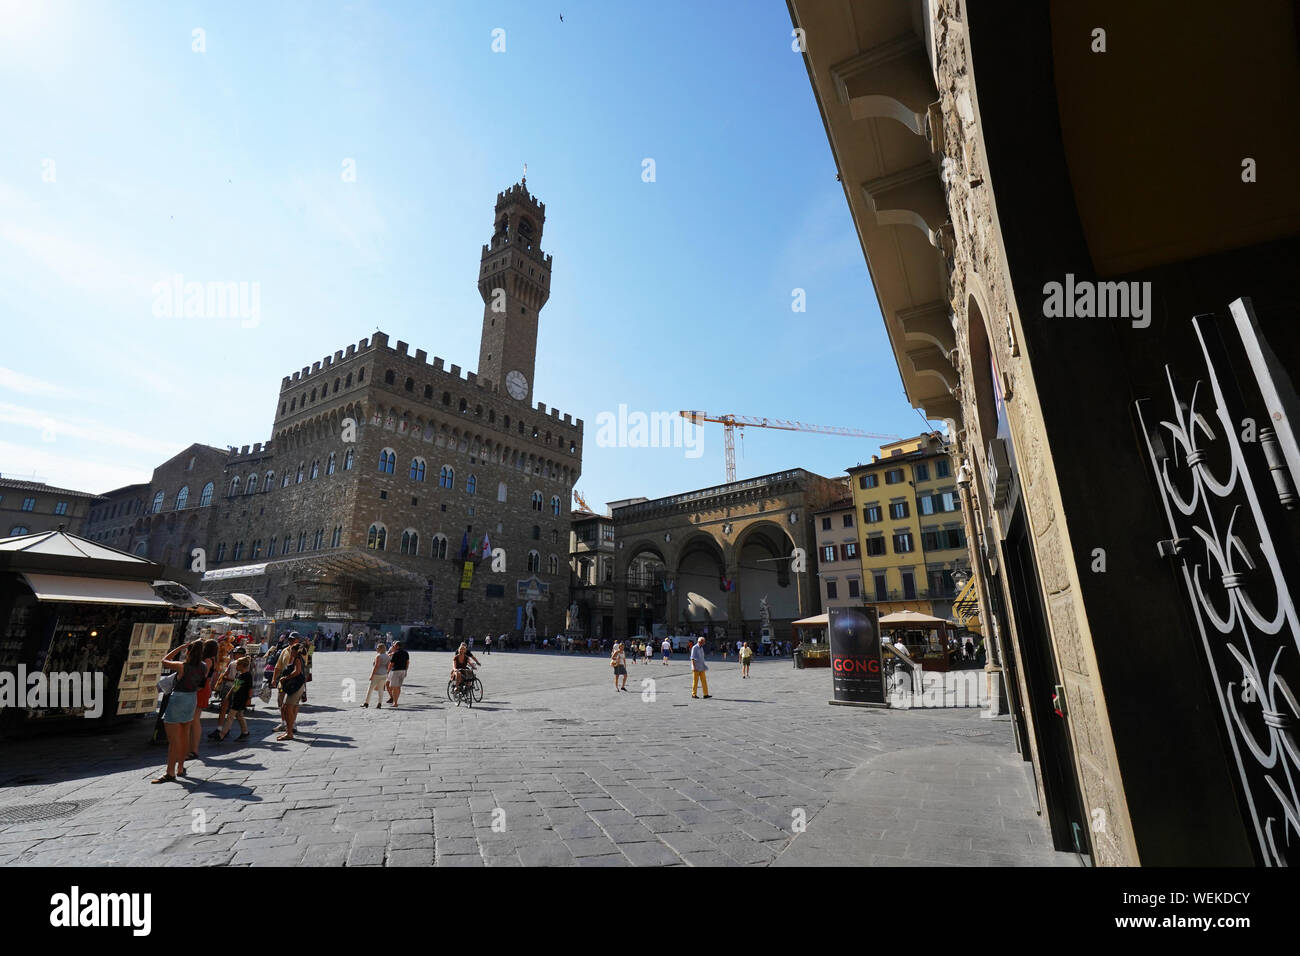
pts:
[698, 667]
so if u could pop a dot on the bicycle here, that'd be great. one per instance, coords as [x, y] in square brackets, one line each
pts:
[469, 691]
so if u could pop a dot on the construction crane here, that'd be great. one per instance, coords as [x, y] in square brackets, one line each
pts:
[731, 422]
[581, 504]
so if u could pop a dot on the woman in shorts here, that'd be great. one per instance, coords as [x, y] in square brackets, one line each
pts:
[293, 681]
[182, 703]
[619, 660]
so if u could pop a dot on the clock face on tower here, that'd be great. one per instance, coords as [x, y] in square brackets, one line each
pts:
[516, 385]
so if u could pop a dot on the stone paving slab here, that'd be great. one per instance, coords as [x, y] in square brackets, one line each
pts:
[554, 768]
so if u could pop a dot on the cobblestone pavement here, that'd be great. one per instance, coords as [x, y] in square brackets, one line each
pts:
[568, 770]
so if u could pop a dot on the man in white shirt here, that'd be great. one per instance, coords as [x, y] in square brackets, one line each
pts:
[667, 648]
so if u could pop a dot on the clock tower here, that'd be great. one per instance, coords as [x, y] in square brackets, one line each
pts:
[515, 282]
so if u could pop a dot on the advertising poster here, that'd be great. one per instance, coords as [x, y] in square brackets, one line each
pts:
[855, 656]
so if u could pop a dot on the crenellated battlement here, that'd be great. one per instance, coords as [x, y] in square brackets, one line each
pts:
[438, 371]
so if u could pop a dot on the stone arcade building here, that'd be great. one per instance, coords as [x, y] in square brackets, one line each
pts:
[705, 560]
[385, 468]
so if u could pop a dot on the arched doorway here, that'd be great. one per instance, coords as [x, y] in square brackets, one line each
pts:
[700, 597]
[763, 573]
[643, 581]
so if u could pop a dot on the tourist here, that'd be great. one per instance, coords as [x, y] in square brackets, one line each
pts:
[746, 654]
[698, 667]
[378, 677]
[182, 703]
[349, 644]
[487, 643]
[667, 648]
[397, 665]
[204, 694]
[238, 699]
[618, 660]
[292, 683]
[230, 677]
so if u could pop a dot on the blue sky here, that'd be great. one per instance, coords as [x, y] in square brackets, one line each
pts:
[128, 158]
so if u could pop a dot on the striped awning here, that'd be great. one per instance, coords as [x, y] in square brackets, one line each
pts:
[966, 608]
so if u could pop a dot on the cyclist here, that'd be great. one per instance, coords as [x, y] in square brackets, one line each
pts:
[461, 670]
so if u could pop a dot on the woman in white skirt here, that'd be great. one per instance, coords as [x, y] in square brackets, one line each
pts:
[378, 677]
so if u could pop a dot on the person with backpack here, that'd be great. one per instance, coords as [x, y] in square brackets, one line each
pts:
[182, 703]
[237, 699]
[292, 683]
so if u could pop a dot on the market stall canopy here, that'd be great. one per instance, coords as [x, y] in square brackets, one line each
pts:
[247, 602]
[178, 594]
[211, 621]
[65, 587]
[912, 617]
[59, 552]
[817, 620]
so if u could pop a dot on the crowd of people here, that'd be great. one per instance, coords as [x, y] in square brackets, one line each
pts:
[226, 668]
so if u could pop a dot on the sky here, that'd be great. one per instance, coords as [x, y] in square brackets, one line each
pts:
[342, 160]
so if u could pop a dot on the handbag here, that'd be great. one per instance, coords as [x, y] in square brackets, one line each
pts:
[167, 682]
[265, 694]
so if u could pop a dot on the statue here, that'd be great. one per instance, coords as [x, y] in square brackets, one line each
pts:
[530, 624]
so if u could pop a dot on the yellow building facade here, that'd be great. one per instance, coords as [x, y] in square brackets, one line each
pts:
[911, 537]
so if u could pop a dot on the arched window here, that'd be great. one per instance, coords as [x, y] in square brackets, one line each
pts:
[142, 548]
[302, 467]
[439, 546]
[284, 480]
[537, 533]
[534, 562]
[234, 487]
[446, 398]
[462, 405]
[205, 497]
[348, 382]
[315, 468]
[19, 529]
[270, 551]
[471, 485]
[318, 539]
[389, 377]
[537, 501]
[387, 461]
[349, 458]
[417, 469]
[447, 477]
[410, 542]
[238, 552]
[337, 537]
[330, 464]
[257, 549]
[501, 491]
[410, 385]
[377, 537]
[555, 504]
[302, 541]
[182, 497]
[552, 565]
[252, 484]
[268, 481]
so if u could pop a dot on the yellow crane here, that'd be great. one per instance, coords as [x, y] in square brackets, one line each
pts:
[731, 422]
[581, 504]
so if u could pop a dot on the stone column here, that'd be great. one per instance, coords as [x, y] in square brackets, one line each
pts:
[735, 618]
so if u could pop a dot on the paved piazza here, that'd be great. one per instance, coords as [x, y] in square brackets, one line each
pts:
[570, 773]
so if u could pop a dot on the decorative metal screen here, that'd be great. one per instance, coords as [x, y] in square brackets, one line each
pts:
[1211, 462]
